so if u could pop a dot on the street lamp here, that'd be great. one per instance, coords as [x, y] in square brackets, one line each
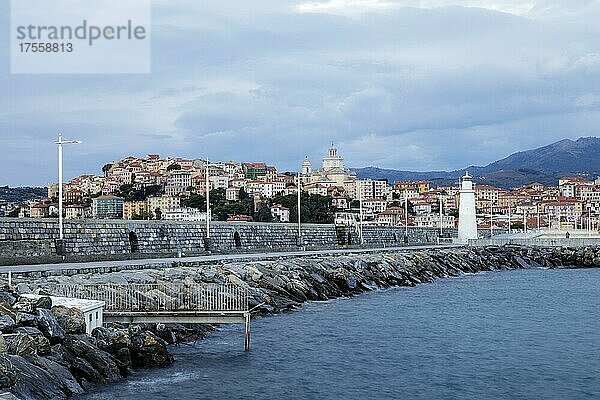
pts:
[60, 143]
[207, 190]
[360, 208]
[298, 193]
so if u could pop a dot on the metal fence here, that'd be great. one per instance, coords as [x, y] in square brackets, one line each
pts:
[160, 297]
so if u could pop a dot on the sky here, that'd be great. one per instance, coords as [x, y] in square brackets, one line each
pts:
[413, 85]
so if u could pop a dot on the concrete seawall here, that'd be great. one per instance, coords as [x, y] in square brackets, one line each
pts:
[24, 241]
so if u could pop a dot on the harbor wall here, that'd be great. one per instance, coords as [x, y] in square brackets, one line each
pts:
[34, 240]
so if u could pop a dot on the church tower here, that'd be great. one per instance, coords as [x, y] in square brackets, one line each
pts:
[306, 167]
[333, 161]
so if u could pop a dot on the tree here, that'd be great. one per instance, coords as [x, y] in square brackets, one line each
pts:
[263, 214]
[314, 207]
[195, 200]
[243, 194]
[106, 169]
[173, 167]
[158, 213]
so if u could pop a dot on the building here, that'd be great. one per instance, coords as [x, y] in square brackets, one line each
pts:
[76, 211]
[393, 216]
[39, 210]
[332, 173]
[232, 193]
[178, 182]
[92, 310]
[254, 171]
[375, 205]
[158, 205]
[184, 214]
[280, 213]
[107, 207]
[433, 221]
[135, 209]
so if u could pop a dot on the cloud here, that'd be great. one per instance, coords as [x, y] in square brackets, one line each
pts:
[397, 84]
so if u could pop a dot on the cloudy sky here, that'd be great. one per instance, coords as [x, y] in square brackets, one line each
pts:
[417, 85]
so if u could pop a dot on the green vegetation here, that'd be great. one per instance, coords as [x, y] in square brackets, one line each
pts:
[315, 208]
[173, 167]
[130, 193]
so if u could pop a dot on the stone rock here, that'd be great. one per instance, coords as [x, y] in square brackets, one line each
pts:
[22, 344]
[109, 369]
[70, 319]
[23, 288]
[44, 302]
[49, 325]
[26, 305]
[7, 324]
[124, 355]
[3, 346]
[148, 350]
[83, 371]
[6, 297]
[61, 376]
[7, 310]
[29, 330]
[111, 339]
[8, 375]
[24, 319]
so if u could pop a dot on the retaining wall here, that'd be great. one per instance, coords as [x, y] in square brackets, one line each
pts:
[33, 240]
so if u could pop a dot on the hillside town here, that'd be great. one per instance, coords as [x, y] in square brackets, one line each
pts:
[175, 188]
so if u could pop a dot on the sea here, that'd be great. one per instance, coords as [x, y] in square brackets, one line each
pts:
[523, 334]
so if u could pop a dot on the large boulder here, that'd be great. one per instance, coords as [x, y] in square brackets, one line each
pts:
[22, 344]
[82, 347]
[61, 376]
[6, 297]
[70, 319]
[7, 324]
[49, 325]
[112, 339]
[26, 305]
[148, 350]
[24, 319]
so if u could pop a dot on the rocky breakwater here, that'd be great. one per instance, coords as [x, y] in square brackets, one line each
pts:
[45, 353]
[284, 284]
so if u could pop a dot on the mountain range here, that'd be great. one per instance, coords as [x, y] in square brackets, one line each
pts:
[544, 165]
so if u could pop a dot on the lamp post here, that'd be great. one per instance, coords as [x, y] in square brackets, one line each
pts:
[60, 144]
[441, 219]
[405, 216]
[360, 207]
[299, 223]
[491, 218]
[207, 205]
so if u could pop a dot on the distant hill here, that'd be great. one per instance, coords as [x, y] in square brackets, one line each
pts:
[21, 194]
[545, 165]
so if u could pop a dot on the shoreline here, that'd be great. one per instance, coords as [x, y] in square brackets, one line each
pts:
[285, 284]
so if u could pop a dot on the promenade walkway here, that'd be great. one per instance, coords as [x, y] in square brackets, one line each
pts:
[240, 257]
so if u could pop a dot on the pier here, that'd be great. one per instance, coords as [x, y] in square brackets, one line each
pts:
[167, 303]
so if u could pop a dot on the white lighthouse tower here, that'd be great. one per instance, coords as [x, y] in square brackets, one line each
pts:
[467, 221]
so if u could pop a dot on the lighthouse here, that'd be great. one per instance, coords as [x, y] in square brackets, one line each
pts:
[467, 222]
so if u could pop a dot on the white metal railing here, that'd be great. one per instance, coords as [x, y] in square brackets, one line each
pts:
[160, 297]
